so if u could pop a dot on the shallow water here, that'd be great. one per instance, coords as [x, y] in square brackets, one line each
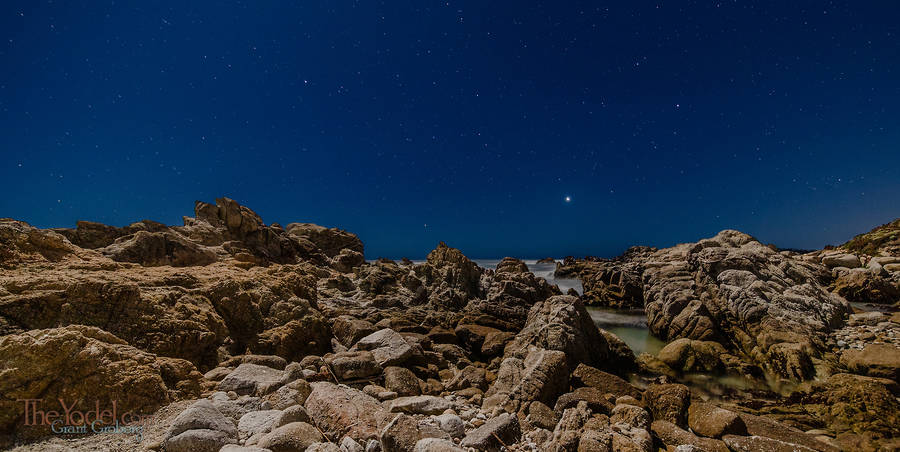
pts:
[630, 326]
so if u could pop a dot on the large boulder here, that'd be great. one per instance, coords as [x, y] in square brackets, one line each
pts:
[541, 376]
[876, 360]
[341, 410]
[451, 277]
[494, 434]
[78, 363]
[561, 323]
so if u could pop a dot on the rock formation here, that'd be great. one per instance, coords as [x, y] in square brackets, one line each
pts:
[234, 335]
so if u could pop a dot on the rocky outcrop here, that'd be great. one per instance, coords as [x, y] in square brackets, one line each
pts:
[331, 241]
[77, 364]
[734, 290]
[561, 323]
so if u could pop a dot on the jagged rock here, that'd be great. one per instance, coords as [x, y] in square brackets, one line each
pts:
[867, 287]
[503, 428]
[323, 447]
[348, 329]
[541, 415]
[347, 260]
[271, 361]
[252, 379]
[293, 437]
[668, 402]
[630, 415]
[158, 248]
[20, 242]
[85, 363]
[693, 290]
[709, 420]
[330, 240]
[578, 430]
[848, 403]
[561, 323]
[541, 376]
[340, 411]
[452, 278]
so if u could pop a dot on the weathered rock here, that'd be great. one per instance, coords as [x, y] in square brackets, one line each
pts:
[330, 240]
[202, 415]
[403, 432]
[347, 260]
[340, 411]
[596, 401]
[252, 379]
[402, 381]
[561, 323]
[436, 445]
[841, 260]
[630, 415]
[354, 365]
[585, 375]
[709, 420]
[672, 435]
[293, 437]
[687, 355]
[256, 422]
[876, 360]
[761, 444]
[541, 376]
[198, 440]
[293, 393]
[451, 424]
[349, 329]
[763, 427]
[388, 347]
[541, 415]
[85, 363]
[668, 402]
[736, 291]
[503, 429]
[423, 404]
[159, 248]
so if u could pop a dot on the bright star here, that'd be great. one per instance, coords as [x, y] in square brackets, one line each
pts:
[568, 199]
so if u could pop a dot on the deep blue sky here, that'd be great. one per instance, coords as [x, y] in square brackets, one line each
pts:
[663, 121]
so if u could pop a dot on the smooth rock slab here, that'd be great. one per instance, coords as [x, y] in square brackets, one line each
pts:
[420, 405]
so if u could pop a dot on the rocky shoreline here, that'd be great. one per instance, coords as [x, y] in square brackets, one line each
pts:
[232, 335]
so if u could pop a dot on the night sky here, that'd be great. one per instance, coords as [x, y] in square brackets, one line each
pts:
[469, 122]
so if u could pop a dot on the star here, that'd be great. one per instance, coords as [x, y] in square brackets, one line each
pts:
[568, 199]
